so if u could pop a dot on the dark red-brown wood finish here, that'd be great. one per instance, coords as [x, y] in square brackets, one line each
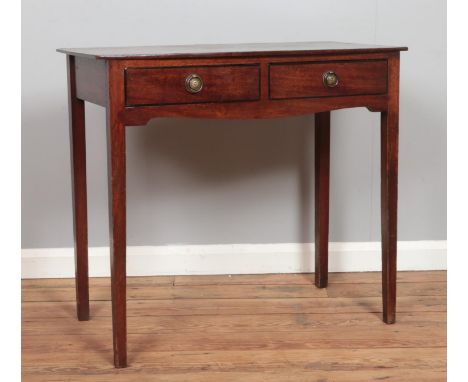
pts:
[117, 214]
[322, 185]
[78, 177]
[217, 84]
[229, 82]
[389, 190]
[304, 79]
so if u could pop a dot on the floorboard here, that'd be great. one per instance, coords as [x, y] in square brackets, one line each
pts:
[240, 328]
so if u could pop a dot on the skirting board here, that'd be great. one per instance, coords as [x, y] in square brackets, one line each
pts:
[234, 259]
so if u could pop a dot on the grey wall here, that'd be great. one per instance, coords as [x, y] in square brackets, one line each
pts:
[203, 181]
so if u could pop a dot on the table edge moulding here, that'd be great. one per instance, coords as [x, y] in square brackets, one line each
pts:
[228, 81]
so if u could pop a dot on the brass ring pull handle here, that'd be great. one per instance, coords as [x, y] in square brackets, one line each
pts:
[193, 83]
[330, 79]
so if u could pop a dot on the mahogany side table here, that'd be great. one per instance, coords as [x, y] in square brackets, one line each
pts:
[242, 81]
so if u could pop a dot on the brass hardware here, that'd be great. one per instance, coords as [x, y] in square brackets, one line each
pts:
[330, 79]
[193, 83]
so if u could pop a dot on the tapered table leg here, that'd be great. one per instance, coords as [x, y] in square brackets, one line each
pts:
[322, 189]
[389, 182]
[117, 224]
[389, 190]
[76, 112]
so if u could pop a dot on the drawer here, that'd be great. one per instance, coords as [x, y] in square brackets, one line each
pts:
[191, 84]
[327, 79]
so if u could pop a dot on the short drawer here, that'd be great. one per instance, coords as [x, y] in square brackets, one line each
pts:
[327, 79]
[191, 84]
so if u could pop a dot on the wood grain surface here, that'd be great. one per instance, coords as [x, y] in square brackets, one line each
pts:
[305, 80]
[322, 197]
[240, 328]
[166, 85]
[77, 132]
[229, 50]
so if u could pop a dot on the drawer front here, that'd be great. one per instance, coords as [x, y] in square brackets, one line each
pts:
[191, 84]
[327, 79]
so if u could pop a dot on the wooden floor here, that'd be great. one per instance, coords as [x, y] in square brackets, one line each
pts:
[240, 328]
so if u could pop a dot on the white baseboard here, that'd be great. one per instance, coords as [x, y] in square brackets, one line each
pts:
[234, 259]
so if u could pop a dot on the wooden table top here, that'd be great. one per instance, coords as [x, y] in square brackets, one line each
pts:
[228, 50]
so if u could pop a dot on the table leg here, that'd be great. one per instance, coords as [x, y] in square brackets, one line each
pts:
[389, 184]
[117, 224]
[76, 110]
[322, 189]
[389, 189]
